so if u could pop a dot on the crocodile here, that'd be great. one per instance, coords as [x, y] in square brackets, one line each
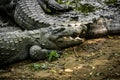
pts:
[34, 14]
[37, 44]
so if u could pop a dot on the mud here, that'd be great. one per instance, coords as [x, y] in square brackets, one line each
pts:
[95, 59]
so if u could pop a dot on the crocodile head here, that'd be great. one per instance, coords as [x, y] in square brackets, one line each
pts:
[60, 37]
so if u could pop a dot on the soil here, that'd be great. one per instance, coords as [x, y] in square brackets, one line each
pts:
[95, 59]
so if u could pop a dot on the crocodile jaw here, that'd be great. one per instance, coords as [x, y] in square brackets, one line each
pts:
[62, 37]
[65, 42]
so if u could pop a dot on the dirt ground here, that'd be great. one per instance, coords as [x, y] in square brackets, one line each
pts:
[95, 59]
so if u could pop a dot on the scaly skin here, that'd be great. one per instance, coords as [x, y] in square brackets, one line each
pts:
[30, 14]
[36, 44]
[109, 25]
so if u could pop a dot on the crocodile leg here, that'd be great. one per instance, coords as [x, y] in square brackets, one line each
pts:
[37, 53]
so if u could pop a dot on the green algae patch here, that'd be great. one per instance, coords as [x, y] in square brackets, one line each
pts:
[110, 1]
[85, 8]
[78, 6]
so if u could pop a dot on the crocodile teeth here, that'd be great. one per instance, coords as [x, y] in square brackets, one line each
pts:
[65, 38]
[78, 38]
[72, 38]
[68, 38]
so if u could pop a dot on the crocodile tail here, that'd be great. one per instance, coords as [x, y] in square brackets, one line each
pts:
[29, 15]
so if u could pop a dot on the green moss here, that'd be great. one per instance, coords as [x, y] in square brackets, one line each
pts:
[35, 66]
[60, 1]
[77, 6]
[38, 66]
[53, 55]
[86, 8]
[110, 1]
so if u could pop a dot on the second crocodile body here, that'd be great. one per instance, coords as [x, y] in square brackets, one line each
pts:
[31, 14]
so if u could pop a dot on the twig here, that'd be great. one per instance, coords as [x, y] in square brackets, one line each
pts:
[76, 54]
